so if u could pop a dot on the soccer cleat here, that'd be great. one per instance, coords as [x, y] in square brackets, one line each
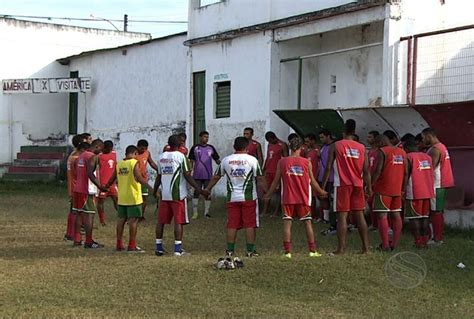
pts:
[120, 248]
[68, 238]
[207, 215]
[229, 253]
[433, 242]
[181, 253]
[330, 231]
[135, 250]
[251, 254]
[77, 243]
[93, 245]
[314, 254]
[238, 262]
[287, 255]
[160, 252]
[381, 249]
[195, 216]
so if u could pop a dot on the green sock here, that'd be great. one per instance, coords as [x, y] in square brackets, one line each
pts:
[230, 246]
[250, 248]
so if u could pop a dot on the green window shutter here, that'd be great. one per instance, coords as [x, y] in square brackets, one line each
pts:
[222, 99]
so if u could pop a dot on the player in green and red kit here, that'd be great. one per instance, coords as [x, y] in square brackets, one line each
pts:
[388, 185]
[297, 182]
[84, 201]
[173, 171]
[107, 163]
[419, 192]
[351, 175]
[276, 150]
[242, 171]
[443, 179]
[71, 181]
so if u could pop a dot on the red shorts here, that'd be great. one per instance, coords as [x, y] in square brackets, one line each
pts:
[270, 177]
[242, 214]
[348, 198]
[173, 209]
[112, 192]
[383, 204]
[417, 208]
[297, 211]
[79, 200]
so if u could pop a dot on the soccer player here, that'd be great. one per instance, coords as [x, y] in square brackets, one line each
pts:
[297, 181]
[130, 181]
[71, 180]
[144, 158]
[84, 201]
[393, 138]
[242, 171]
[173, 172]
[201, 156]
[107, 163]
[275, 151]
[421, 145]
[388, 185]
[254, 148]
[182, 147]
[329, 214]
[87, 138]
[443, 179]
[312, 154]
[303, 147]
[372, 155]
[419, 191]
[351, 174]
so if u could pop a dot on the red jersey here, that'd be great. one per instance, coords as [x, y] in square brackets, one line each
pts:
[372, 157]
[443, 173]
[107, 166]
[390, 181]
[71, 171]
[296, 187]
[274, 154]
[421, 181]
[252, 148]
[142, 163]
[182, 149]
[349, 163]
[313, 156]
[82, 180]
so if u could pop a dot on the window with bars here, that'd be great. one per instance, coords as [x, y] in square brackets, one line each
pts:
[222, 99]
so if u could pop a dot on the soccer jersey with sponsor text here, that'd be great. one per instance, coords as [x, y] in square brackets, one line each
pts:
[390, 181]
[252, 148]
[296, 188]
[107, 165]
[421, 181]
[129, 189]
[240, 171]
[82, 180]
[171, 167]
[202, 155]
[323, 162]
[443, 173]
[274, 154]
[349, 163]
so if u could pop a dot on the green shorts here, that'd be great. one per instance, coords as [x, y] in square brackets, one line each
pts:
[89, 207]
[144, 190]
[133, 211]
[438, 203]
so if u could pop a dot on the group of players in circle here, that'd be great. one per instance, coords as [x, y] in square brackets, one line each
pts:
[394, 178]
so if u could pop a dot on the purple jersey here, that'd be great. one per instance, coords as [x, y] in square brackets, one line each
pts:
[323, 162]
[202, 155]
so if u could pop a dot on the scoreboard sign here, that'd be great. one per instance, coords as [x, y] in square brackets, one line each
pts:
[46, 85]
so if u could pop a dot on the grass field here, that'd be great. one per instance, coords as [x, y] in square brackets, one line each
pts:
[43, 276]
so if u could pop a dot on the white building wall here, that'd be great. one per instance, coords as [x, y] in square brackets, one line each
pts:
[29, 49]
[137, 93]
[233, 14]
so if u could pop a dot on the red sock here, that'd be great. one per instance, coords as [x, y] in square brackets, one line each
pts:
[71, 224]
[287, 246]
[312, 246]
[77, 237]
[102, 216]
[89, 239]
[119, 244]
[397, 226]
[438, 224]
[383, 231]
[425, 239]
[132, 244]
[418, 241]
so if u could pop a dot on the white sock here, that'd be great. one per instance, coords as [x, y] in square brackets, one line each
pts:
[207, 205]
[195, 205]
[159, 241]
[326, 214]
